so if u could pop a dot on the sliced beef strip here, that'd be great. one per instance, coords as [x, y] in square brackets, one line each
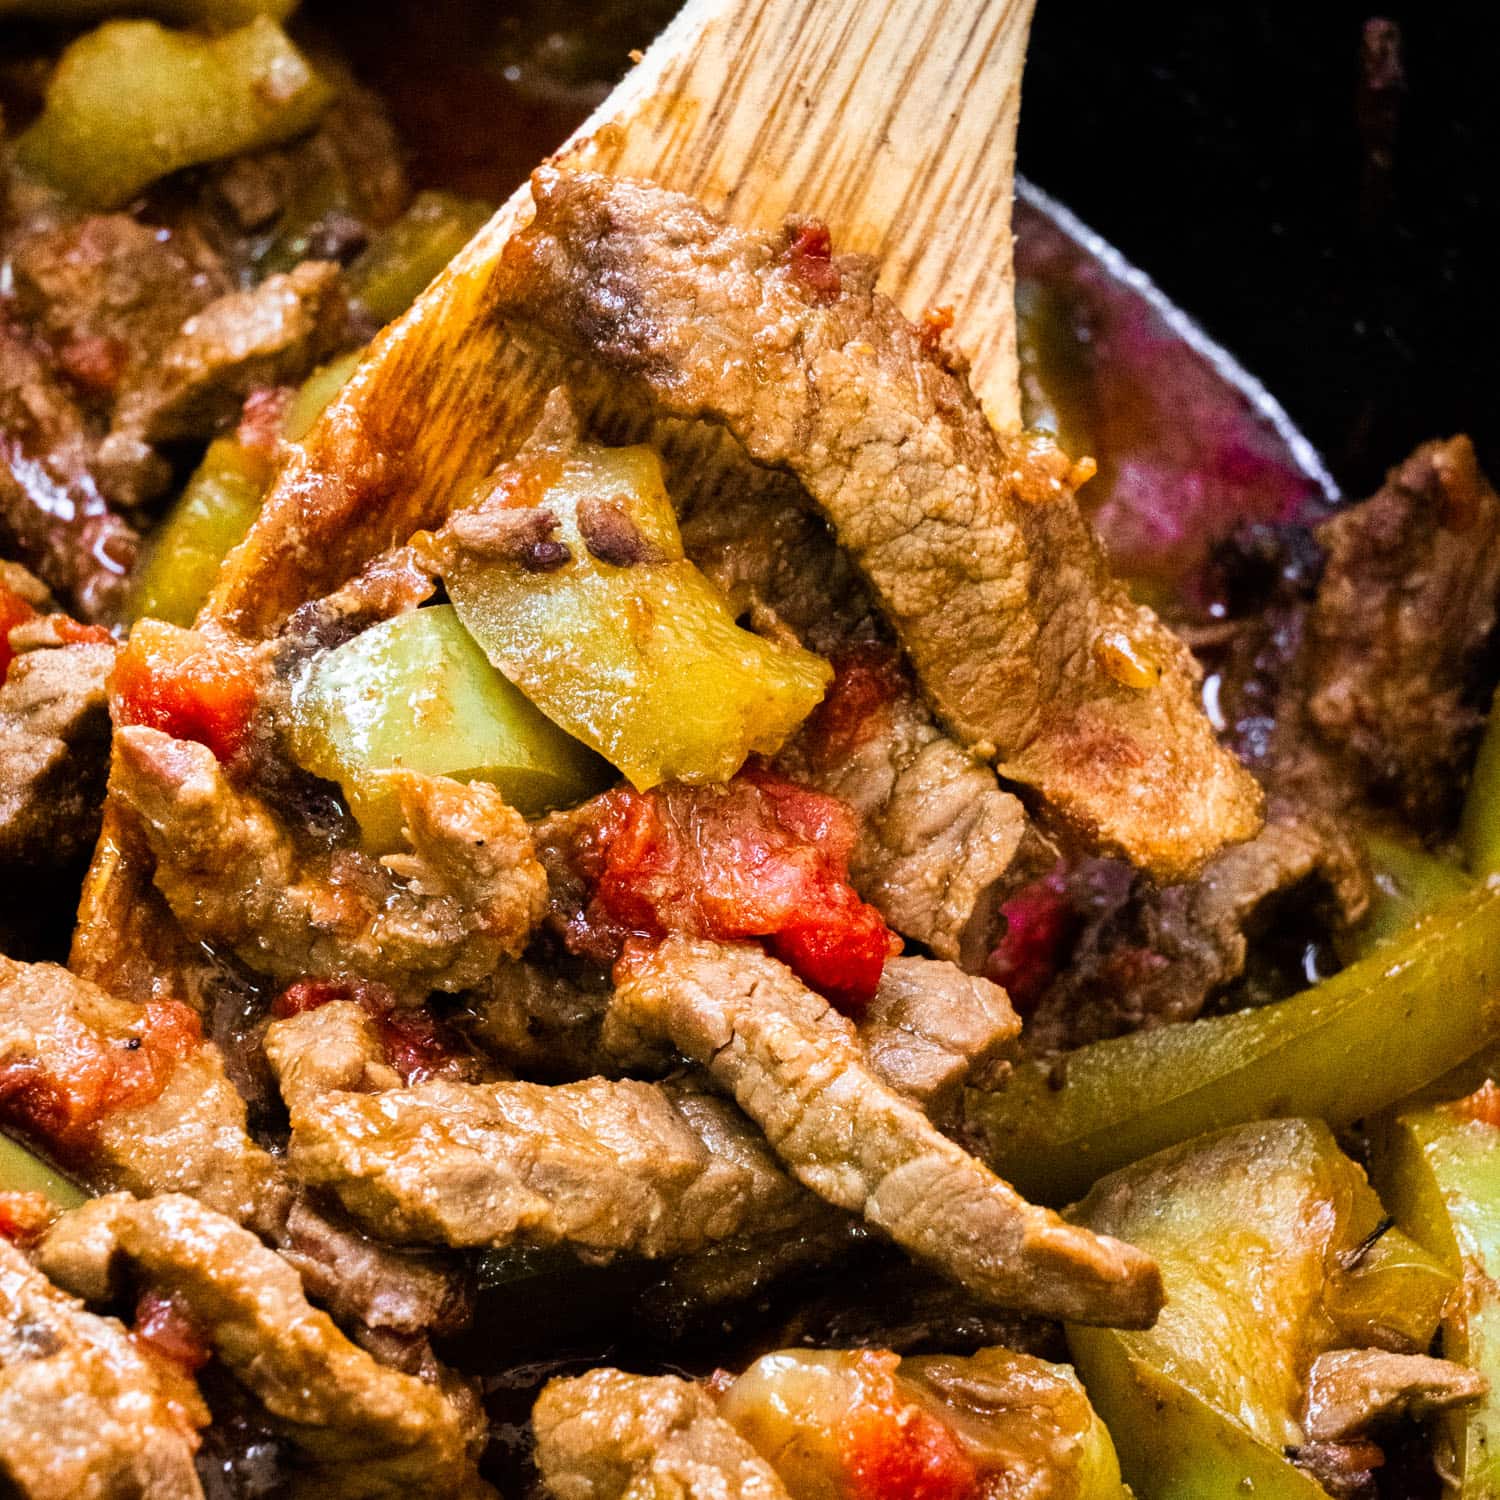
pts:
[973, 546]
[54, 754]
[1351, 1390]
[931, 1028]
[442, 916]
[794, 1065]
[377, 1431]
[1396, 644]
[1157, 954]
[603, 1167]
[608, 1436]
[85, 1413]
[538, 1020]
[191, 1138]
[109, 294]
[270, 335]
[936, 832]
[55, 514]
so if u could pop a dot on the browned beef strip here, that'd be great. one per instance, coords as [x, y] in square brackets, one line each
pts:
[85, 1414]
[794, 1065]
[378, 1430]
[973, 546]
[936, 832]
[442, 916]
[271, 335]
[109, 294]
[54, 753]
[1351, 1390]
[191, 1138]
[539, 1021]
[1159, 954]
[1394, 656]
[605, 1167]
[608, 1435]
[55, 515]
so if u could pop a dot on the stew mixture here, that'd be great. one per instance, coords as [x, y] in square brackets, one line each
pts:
[748, 960]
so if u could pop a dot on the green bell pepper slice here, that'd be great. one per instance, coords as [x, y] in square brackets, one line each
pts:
[1479, 830]
[395, 268]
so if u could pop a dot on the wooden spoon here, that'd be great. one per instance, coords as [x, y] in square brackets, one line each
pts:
[892, 120]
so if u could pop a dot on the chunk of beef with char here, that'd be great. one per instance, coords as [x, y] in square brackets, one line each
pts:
[442, 915]
[109, 294]
[936, 834]
[973, 546]
[1398, 657]
[85, 1411]
[794, 1065]
[57, 484]
[376, 1430]
[1349, 1391]
[541, 1017]
[54, 753]
[603, 1167]
[134, 1099]
[608, 1435]
[1149, 955]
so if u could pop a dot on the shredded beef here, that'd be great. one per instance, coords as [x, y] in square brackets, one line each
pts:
[609, 1436]
[1351, 1390]
[794, 1065]
[974, 549]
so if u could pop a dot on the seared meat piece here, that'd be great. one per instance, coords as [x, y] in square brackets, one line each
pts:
[606, 1167]
[608, 1436]
[930, 1027]
[440, 917]
[974, 547]
[1161, 953]
[85, 1414]
[135, 1100]
[936, 832]
[378, 1431]
[54, 753]
[1395, 647]
[109, 293]
[1350, 1390]
[272, 335]
[54, 491]
[795, 1067]
[538, 1021]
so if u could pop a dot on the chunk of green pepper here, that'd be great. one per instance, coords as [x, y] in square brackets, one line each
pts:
[22, 1171]
[1439, 1172]
[394, 269]
[416, 693]
[1263, 1235]
[1407, 882]
[213, 14]
[1480, 829]
[132, 101]
[316, 392]
[1339, 1051]
[642, 660]
[210, 517]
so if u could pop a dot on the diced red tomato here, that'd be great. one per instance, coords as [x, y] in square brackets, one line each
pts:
[164, 1323]
[262, 419]
[24, 1217]
[186, 684]
[62, 1097]
[95, 362]
[1039, 923]
[759, 857]
[417, 1044]
[867, 679]
[811, 259]
[14, 610]
[1482, 1105]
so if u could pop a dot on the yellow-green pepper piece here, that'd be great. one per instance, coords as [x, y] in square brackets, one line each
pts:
[1480, 828]
[416, 693]
[211, 516]
[316, 392]
[1407, 882]
[1339, 1051]
[395, 268]
[1439, 1172]
[642, 661]
[22, 1171]
[132, 101]
[213, 14]
[1263, 1234]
